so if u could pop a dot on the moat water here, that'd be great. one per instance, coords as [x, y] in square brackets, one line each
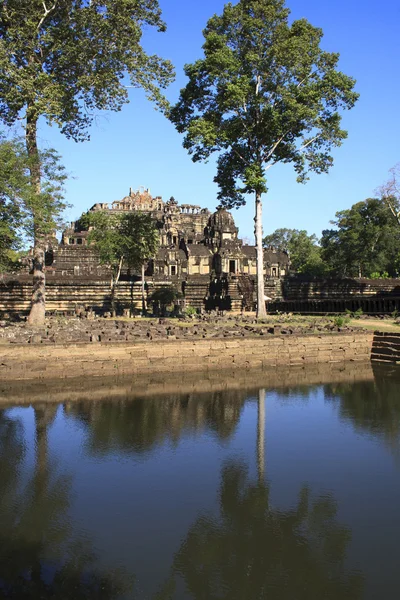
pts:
[277, 492]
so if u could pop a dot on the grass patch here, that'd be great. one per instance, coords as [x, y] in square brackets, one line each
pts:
[376, 325]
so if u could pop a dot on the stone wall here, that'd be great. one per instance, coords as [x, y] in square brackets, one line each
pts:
[290, 294]
[386, 347]
[69, 293]
[173, 357]
[299, 287]
[320, 296]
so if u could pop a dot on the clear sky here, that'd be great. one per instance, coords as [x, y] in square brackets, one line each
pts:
[139, 147]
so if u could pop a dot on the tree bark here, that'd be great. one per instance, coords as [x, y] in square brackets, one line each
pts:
[38, 302]
[114, 283]
[261, 310]
[143, 295]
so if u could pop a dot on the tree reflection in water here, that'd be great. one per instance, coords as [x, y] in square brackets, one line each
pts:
[38, 559]
[372, 408]
[140, 425]
[253, 550]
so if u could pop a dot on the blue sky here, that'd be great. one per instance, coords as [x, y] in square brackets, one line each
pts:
[139, 147]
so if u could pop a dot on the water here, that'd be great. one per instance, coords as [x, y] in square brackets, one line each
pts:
[266, 491]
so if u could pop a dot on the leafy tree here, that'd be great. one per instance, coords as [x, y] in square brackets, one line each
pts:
[305, 254]
[164, 296]
[264, 93]
[64, 60]
[25, 215]
[279, 239]
[13, 187]
[303, 249]
[128, 239]
[366, 240]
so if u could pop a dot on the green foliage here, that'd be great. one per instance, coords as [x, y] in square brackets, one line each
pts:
[65, 60]
[378, 275]
[365, 242]
[165, 296]
[356, 314]
[341, 321]
[280, 239]
[13, 185]
[44, 209]
[127, 239]
[265, 92]
[24, 214]
[190, 311]
[303, 249]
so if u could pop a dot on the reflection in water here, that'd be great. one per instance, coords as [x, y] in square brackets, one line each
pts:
[202, 514]
[142, 424]
[253, 550]
[261, 435]
[372, 408]
[38, 558]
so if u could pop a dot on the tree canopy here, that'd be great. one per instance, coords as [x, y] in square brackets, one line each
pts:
[67, 59]
[264, 93]
[303, 249]
[64, 60]
[121, 239]
[23, 214]
[366, 241]
[13, 187]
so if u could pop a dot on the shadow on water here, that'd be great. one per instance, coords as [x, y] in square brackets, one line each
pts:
[38, 558]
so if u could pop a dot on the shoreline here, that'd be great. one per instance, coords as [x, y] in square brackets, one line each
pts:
[130, 387]
[22, 362]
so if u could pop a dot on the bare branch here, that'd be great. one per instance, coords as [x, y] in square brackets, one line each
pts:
[390, 192]
[47, 11]
[309, 142]
[268, 154]
[258, 85]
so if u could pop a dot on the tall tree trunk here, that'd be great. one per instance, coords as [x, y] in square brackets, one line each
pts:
[114, 283]
[261, 436]
[261, 310]
[38, 302]
[143, 295]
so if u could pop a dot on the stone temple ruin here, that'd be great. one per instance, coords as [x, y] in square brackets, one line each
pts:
[200, 254]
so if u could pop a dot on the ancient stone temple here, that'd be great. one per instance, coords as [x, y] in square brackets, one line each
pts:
[192, 242]
[200, 254]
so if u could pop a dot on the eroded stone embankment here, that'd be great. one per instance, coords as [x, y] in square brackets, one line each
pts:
[52, 361]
